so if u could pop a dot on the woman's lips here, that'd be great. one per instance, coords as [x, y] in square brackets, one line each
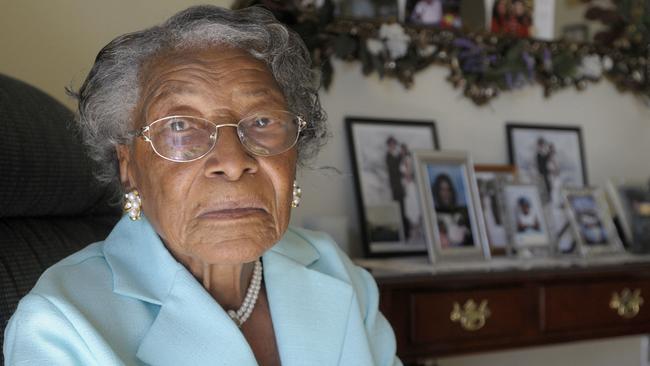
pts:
[232, 213]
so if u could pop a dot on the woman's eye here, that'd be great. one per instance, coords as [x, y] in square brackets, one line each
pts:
[178, 125]
[262, 122]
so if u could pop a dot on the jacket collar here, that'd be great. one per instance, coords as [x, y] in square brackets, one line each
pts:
[309, 308]
[142, 267]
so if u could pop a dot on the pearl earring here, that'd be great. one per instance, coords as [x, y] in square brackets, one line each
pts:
[132, 204]
[297, 195]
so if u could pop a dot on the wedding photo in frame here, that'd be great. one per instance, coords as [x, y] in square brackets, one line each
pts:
[525, 212]
[551, 157]
[490, 180]
[591, 221]
[451, 206]
[390, 212]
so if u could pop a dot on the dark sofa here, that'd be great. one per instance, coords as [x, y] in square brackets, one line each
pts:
[50, 204]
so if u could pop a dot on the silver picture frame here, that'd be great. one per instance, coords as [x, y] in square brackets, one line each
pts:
[591, 221]
[529, 228]
[454, 229]
[490, 179]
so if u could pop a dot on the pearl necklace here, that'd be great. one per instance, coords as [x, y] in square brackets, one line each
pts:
[241, 315]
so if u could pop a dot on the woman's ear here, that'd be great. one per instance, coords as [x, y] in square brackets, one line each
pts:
[124, 160]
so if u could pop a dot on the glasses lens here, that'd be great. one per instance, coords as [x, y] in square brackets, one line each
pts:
[269, 133]
[180, 138]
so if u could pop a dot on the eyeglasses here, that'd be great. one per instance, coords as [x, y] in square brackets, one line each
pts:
[186, 138]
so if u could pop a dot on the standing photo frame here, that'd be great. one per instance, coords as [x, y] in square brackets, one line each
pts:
[451, 205]
[631, 203]
[391, 218]
[490, 180]
[591, 221]
[551, 157]
[529, 227]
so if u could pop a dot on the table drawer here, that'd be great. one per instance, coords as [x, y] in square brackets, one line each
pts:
[596, 305]
[465, 315]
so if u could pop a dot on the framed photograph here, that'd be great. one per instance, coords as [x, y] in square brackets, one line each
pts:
[434, 13]
[631, 203]
[525, 213]
[511, 17]
[578, 33]
[591, 221]
[451, 205]
[367, 9]
[490, 180]
[384, 175]
[551, 157]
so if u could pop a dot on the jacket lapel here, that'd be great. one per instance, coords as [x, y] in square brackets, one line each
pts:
[190, 327]
[309, 309]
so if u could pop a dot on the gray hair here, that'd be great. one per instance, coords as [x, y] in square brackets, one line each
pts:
[110, 93]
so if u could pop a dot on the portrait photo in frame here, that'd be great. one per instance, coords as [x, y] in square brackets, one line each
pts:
[392, 222]
[591, 221]
[434, 13]
[525, 212]
[451, 205]
[551, 157]
[490, 180]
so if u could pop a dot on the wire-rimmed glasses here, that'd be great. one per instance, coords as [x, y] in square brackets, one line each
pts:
[188, 138]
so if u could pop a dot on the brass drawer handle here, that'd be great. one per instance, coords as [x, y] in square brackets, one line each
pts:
[627, 304]
[472, 317]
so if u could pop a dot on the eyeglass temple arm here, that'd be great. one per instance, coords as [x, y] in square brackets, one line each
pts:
[301, 123]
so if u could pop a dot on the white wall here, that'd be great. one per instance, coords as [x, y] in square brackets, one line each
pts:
[52, 43]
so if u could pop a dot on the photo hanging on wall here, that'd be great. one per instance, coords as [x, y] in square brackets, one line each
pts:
[367, 9]
[391, 217]
[553, 158]
[451, 206]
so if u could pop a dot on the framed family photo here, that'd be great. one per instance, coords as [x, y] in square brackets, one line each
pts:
[452, 206]
[511, 17]
[490, 180]
[591, 221]
[434, 13]
[525, 213]
[391, 217]
[551, 157]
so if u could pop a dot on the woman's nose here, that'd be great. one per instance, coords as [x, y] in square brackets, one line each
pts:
[229, 159]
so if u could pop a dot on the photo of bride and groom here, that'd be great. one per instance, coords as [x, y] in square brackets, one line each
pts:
[552, 158]
[401, 177]
[386, 180]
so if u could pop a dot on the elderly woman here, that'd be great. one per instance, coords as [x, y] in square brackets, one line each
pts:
[202, 121]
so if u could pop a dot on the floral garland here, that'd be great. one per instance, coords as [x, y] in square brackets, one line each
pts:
[482, 65]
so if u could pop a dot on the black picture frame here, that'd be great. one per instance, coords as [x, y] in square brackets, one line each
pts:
[512, 127]
[369, 137]
[570, 169]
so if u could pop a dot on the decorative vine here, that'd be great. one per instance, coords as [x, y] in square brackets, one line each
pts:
[483, 65]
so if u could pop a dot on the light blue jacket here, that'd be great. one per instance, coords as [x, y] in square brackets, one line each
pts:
[127, 301]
